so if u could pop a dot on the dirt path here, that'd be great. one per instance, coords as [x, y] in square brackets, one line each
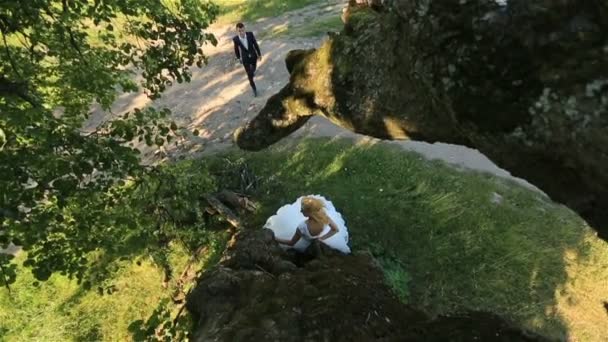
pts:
[218, 100]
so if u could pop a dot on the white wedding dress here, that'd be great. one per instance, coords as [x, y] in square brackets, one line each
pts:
[289, 218]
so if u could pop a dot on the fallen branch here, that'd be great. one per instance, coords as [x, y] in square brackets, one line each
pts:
[223, 210]
[237, 201]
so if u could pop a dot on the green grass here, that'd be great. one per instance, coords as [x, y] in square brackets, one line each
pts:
[445, 245]
[396, 277]
[61, 310]
[232, 11]
[314, 28]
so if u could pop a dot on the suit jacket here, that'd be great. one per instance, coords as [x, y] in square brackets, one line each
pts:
[244, 54]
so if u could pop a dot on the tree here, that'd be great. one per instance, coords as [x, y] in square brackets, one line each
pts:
[57, 184]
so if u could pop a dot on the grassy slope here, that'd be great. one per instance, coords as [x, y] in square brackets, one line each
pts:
[233, 11]
[61, 310]
[445, 244]
[445, 241]
[314, 27]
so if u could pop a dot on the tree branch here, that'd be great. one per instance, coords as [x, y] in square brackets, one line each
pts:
[75, 45]
[18, 89]
[9, 56]
[4, 279]
[71, 34]
[8, 87]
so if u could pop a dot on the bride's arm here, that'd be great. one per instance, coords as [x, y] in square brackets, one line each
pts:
[333, 231]
[294, 239]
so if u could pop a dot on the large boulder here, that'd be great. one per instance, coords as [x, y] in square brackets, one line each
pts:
[258, 293]
[525, 82]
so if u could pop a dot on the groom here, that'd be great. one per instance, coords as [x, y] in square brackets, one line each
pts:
[247, 51]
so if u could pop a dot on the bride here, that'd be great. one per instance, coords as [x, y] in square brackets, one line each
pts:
[309, 218]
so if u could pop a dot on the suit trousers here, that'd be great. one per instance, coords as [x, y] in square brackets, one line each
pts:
[250, 66]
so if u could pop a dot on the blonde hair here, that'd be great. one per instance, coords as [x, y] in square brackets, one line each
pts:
[315, 209]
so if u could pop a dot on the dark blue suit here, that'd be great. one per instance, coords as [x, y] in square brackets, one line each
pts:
[248, 55]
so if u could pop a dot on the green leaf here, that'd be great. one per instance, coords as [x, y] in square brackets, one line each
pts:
[65, 185]
[129, 134]
[41, 274]
[85, 167]
[2, 139]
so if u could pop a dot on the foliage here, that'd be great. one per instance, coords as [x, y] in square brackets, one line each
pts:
[133, 284]
[58, 58]
[161, 207]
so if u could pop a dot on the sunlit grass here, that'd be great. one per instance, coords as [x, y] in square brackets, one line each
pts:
[313, 28]
[232, 11]
[61, 310]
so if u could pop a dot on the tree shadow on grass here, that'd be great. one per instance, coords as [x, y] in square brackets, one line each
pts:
[170, 320]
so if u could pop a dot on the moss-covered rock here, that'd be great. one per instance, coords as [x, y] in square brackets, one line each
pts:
[525, 83]
[335, 298]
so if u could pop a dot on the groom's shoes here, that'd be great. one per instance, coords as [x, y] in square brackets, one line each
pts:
[255, 93]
